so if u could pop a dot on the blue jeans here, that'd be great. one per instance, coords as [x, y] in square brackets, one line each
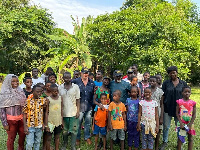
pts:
[166, 125]
[33, 138]
[87, 117]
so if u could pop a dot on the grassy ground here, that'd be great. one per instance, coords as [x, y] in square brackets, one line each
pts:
[172, 136]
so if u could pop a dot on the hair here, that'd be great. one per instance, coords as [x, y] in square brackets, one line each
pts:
[35, 68]
[135, 87]
[67, 73]
[146, 73]
[53, 86]
[185, 87]
[35, 86]
[91, 74]
[172, 68]
[52, 74]
[26, 78]
[14, 76]
[135, 65]
[100, 71]
[118, 92]
[40, 84]
[147, 88]
[103, 94]
[49, 69]
[153, 77]
[133, 77]
[76, 71]
[48, 82]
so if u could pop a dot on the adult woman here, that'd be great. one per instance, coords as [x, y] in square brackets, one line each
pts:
[172, 89]
[12, 99]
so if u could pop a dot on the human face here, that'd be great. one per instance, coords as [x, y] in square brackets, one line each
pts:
[99, 76]
[35, 72]
[37, 92]
[134, 69]
[146, 77]
[186, 93]
[84, 75]
[91, 77]
[134, 92]
[54, 91]
[52, 79]
[130, 75]
[67, 78]
[14, 82]
[103, 99]
[116, 97]
[173, 75]
[134, 81]
[118, 79]
[76, 75]
[47, 86]
[28, 83]
[159, 79]
[106, 82]
[147, 94]
[153, 82]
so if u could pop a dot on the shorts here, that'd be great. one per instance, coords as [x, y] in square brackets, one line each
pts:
[71, 124]
[147, 139]
[98, 130]
[117, 133]
[57, 130]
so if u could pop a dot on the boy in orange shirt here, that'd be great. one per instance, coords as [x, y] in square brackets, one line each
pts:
[117, 119]
[100, 120]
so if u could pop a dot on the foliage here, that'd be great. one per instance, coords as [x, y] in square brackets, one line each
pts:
[152, 34]
[23, 35]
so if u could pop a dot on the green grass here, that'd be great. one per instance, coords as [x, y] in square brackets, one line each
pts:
[172, 136]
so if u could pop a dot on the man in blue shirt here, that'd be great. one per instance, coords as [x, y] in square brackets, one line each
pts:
[86, 86]
[119, 84]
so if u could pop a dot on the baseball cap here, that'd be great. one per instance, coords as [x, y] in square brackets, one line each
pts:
[117, 73]
[84, 70]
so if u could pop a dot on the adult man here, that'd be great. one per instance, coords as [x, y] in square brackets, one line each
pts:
[99, 77]
[119, 84]
[136, 73]
[129, 75]
[76, 74]
[86, 86]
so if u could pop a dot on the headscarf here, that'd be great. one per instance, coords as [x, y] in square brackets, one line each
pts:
[9, 96]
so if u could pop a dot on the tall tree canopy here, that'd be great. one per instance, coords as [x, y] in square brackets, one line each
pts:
[153, 34]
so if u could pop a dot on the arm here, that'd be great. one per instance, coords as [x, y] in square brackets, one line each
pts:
[124, 117]
[157, 120]
[4, 119]
[93, 121]
[178, 117]
[109, 121]
[139, 118]
[78, 108]
[97, 103]
[62, 111]
[193, 117]
[162, 111]
[140, 94]
[46, 112]
[25, 123]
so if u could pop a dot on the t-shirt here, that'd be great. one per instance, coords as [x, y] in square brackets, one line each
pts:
[101, 116]
[117, 120]
[26, 92]
[99, 91]
[98, 83]
[148, 109]
[69, 99]
[133, 109]
[38, 80]
[156, 96]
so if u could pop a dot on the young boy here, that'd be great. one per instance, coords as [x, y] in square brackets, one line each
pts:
[117, 119]
[157, 95]
[27, 90]
[34, 121]
[100, 120]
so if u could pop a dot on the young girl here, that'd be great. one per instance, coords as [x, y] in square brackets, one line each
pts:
[134, 82]
[54, 117]
[27, 90]
[144, 83]
[186, 114]
[148, 117]
[12, 99]
[132, 104]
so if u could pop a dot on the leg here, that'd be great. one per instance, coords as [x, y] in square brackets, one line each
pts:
[179, 144]
[79, 126]
[96, 141]
[157, 140]
[73, 129]
[87, 124]
[122, 144]
[130, 134]
[57, 141]
[151, 140]
[45, 139]
[190, 142]
[136, 136]
[21, 135]
[144, 138]
[11, 134]
[166, 126]
[104, 142]
[48, 140]
[30, 138]
[121, 136]
[111, 144]
[37, 138]
[65, 132]
[113, 137]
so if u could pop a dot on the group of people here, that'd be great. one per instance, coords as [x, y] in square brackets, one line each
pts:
[136, 107]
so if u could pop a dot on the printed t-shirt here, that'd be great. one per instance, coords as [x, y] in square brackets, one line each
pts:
[101, 116]
[99, 91]
[133, 109]
[34, 110]
[69, 99]
[117, 120]
[148, 109]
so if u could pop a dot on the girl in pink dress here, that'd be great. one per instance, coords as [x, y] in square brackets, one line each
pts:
[186, 114]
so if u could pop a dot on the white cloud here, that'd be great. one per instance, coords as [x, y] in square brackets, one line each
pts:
[62, 10]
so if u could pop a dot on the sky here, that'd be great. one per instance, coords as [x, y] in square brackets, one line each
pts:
[61, 10]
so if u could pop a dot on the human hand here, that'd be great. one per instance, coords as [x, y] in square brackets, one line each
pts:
[125, 128]
[157, 130]
[47, 129]
[138, 127]
[189, 126]
[182, 126]
[102, 107]
[110, 128]
[161, 121]
[77, 115]
[6, 128]
[26, 130]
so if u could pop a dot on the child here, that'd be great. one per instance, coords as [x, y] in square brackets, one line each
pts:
[91, 76]
[52, 78]
[132, 104]
[157, 95]
[27, 90]
[148, 120]
[159, 80]
[54, 117]
[186, 114]
[100, 120]
[134, 82]
[47, 92]
[117, 119]
[34, 121]
[144, 83]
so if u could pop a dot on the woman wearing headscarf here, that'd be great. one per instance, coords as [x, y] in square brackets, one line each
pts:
[12, 99]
